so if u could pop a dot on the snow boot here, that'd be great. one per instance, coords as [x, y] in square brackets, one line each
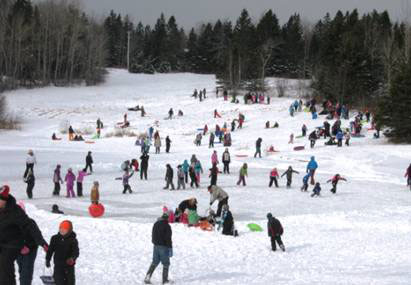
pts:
[165, 275]
[149, 273]
[282, 247]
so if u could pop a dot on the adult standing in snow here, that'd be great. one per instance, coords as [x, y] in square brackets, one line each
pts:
[163, 248]
[226, 161]
[69, 179]
[168, 144]
[217, 193]
[243, 174]
[169, 177]
[89, 162]
[57, 179]
[14, 226]
[193, 178]
[30, 162]
[289, 172]
[144, 165]
[258, 147]
[30, 180]
[275, 231]
[334, 181]
[274, 177]
[311, 168]
[170, 114]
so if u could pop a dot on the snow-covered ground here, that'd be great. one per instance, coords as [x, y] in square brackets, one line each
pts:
[361, 235]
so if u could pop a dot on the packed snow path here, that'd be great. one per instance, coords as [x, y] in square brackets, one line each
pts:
[361, 235]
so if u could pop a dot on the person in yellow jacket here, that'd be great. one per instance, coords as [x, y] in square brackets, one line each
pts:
[95, 194]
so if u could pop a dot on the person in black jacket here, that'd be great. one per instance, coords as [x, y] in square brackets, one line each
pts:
[258, 147]
[89, 162]
[144, 165]
[193, 177]
[169, 177]
[64, 247]
[289, 172]
[168, 144]
[27, 257]
[226, 161]
[30, 180]
[14, 225]
[228, 222]
[275, 231]
[163, 248]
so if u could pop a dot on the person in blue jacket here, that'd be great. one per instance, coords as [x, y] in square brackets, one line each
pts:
[304, 188]
[316, 190]
[186, 167]
[311, 168]
[340, 137]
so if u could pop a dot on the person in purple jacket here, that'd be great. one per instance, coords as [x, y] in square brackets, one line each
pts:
[70, 178]
[57, 179]
[126, 177]
[80, 178]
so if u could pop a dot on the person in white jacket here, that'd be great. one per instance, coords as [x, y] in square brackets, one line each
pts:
[30, 162]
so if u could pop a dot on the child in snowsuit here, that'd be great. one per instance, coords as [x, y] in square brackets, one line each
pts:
[126, 177]
[214, 174]
[316, 190]
[80, 178]
[304, 188]
[289, 174]
[228, 222]
[243, 174]
[273, 177]
[95, 193]
[198, 170]
[275, 231]
[334, 182]
[64, 247]
[70, 178]
[180, 178]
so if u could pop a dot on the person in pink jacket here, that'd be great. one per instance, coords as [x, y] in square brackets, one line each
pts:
[70, 178]
[80, 177]
[214, 158]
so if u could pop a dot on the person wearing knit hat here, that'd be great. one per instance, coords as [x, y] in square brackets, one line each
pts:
[65, 250]
[14, 225]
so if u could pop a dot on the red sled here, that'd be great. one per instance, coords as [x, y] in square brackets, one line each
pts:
[297, 148]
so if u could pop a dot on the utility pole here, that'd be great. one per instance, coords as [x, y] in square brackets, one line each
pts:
[128, 50]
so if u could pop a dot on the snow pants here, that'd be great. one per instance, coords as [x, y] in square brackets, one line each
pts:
[226, 167]
[70, 191]
[56, 188]
[29, 190]
[26, 266]
[64, 275]
[80, 189]
[7, 258]
[273, 180]
[274, 240]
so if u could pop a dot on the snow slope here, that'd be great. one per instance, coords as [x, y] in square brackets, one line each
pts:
[361, 235]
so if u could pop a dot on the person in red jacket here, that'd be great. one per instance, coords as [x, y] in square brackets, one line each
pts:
[334, 182]
[275, 231]
[273, 177]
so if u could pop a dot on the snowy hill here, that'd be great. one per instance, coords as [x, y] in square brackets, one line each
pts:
[360, 235]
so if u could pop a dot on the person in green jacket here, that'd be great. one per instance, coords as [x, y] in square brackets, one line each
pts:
[243, 174]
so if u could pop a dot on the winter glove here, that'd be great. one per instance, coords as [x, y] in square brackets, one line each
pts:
[170, 252]
[70, 261]
[48, 264]
[25, 250]
[45, 247]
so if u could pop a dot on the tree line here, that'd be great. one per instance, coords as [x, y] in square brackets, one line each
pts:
[49, 42]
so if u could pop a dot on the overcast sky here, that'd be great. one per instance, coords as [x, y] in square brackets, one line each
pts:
[190, 13]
